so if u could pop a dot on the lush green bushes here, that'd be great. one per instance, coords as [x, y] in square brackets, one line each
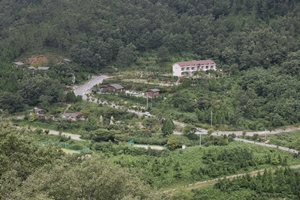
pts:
[283, 183]
[290, 140]
[195, 163]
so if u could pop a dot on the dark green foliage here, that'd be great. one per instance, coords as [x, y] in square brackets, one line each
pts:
[86, 176]
[31, 171]
[290, 140]
[39, 89]
[196, 164]
[189, 131]
[70, 97]
[20, 157]
[235, 32]
[104, 135]
[282, 183]
[168, 127]
[125, 149]
[11, 102]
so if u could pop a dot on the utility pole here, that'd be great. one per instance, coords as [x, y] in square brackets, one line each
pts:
[147, 101]
[211, 118]
[265, 134]
[200, 139]
[265, 137]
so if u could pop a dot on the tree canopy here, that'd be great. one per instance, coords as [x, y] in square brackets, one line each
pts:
[31, 171]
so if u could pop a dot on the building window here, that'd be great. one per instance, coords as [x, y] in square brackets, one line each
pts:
[182, 69]
[193, 68]
[187, 68]
[206, 67]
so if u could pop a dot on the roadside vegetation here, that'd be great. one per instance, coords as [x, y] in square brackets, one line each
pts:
[287, 139]
[290, 140]
[269, 184]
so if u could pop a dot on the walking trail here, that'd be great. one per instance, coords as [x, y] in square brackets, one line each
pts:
[213, 181]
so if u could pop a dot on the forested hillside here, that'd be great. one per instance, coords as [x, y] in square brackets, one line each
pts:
[238, 34]
[255, 45]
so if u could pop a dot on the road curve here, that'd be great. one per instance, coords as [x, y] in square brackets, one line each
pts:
[251, 133]
[268, 145]
[82, 89]
[72, 136]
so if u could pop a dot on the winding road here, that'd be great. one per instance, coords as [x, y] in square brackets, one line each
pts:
[268, 145]
[251, 133]
[83, 89]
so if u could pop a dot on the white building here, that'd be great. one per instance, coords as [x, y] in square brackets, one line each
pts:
[189, 67]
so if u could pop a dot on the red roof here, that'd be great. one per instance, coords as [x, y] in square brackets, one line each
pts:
[195, 62]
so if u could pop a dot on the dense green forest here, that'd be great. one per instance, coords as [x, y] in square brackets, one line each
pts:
[97, 33]
[255, 44]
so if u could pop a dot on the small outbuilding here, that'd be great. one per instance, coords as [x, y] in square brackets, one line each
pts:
[37, 111]
[18, 64]
[31, 68]
[67, 60]
[72, 116]
[43, 68]
[114, 87]
[152, 92]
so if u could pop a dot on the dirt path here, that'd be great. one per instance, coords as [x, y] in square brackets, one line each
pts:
[67, 108]
[213, 181]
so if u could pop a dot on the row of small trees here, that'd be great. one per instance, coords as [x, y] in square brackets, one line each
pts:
[281, 183]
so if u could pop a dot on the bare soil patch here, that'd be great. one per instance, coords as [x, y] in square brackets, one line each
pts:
[37, 59]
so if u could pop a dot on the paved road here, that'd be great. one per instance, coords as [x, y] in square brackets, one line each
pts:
[82, 89]
[268, 145]
[53, 132]
[73, 136]
[251, 133]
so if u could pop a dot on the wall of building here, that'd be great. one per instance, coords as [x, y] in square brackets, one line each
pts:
[176, 70]
[181, 71]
